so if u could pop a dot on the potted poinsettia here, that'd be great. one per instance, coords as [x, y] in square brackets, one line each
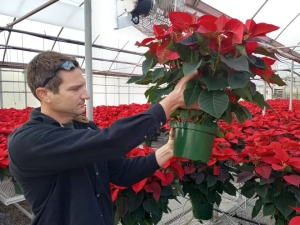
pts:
[269, 165]
[205, 183]
[224, 52]
[146, 201]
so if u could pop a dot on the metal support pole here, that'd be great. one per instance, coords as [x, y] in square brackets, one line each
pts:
[25, 88]
[119, 96]
[115, 12]
[105, 89]
[265, 97]
[32, 12]
[88, 56]
[291, 90]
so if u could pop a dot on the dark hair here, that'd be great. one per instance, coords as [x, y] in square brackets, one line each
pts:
[42, 66]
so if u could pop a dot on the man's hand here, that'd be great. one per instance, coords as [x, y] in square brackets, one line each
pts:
[176, 99]
[164, 153]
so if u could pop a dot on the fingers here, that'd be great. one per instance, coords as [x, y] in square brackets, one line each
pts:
[190, 76]
[171, 134]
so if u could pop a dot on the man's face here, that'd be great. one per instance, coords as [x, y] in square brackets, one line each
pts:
[72, 93]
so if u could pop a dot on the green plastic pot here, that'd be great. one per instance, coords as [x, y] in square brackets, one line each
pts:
[194, 141]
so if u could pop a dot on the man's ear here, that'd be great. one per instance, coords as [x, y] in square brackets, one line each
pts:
[42, 94]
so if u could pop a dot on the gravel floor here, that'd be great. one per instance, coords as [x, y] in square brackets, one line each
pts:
[10, 215]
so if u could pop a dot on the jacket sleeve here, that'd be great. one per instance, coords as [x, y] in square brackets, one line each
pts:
[128, 171]
[48, 148]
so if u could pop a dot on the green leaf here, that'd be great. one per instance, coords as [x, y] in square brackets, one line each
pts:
[150, 207]
[177, 189]
[122, 205]
[175, 76]
[203, 211]
[283, 203]
[237, 79]
[158, 73]
[202, 41]
[189, 40]
[215, 83]
[277, 80]
[258, 98]
[163, 91]
[211, 180]
[148, 54]
[269, 209]
[184, 52]
[151, 94]
[203, 188]
[227, 117]
[267, 199]
[130, 218]
[190, 67]
[243, 93]
[147, 64]
[213, 102]
[191, 92]
[1, 175]
[252, 88]
[7, 172]
[247, 112]
[157, 218]
[239, 64]
[116, 217]
[135, 200]
[240, 115]
[146, 80]
[279, 222]
[17, 188]
[166, 190]
[297, 192]
[248, 189]
[229, 188]
[258, 62]
[257, 207]
[261, 190]
[218, 198]
[210, 122]
[135, 79]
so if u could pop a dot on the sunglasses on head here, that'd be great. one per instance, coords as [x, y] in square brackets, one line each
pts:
[66, 65]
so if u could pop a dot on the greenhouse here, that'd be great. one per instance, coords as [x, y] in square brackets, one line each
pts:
[224, 74]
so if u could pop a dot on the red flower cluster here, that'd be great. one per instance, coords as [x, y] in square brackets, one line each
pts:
[10, 119]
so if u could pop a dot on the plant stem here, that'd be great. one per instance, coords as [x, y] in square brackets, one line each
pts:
[219, 53]
[177, 63]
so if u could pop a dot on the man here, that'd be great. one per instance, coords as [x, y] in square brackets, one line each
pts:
[63, 163]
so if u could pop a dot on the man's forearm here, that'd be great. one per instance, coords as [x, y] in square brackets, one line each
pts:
[169, 104]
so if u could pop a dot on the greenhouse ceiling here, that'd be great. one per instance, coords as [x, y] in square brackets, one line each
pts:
[59, 25]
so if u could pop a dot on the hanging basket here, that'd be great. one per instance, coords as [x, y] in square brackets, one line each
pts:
[194, 141]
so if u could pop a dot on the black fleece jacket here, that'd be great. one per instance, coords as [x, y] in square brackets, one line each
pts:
[64, 173]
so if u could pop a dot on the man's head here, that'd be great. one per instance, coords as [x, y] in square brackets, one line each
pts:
[57, 82]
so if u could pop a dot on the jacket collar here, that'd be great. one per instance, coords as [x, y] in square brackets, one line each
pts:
[36, 114]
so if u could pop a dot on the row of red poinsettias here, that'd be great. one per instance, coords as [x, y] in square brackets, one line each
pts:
[269, 142]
